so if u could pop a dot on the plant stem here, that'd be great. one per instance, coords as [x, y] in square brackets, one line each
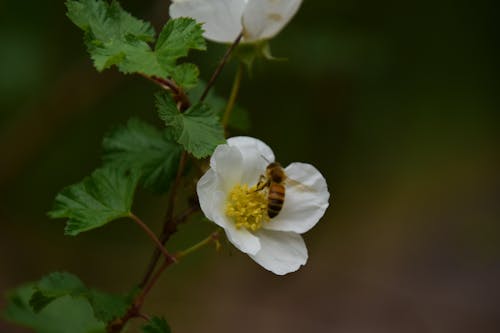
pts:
[173, 193]
[144, 316]
[153, 237]
[134, 310]
[234, 95]
[169, 224]
[145, 291]
[221, 65]
[212, 238]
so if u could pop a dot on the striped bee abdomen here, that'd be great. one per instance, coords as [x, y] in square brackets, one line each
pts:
[275, 199]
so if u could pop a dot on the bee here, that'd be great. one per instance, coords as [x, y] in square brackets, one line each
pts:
[274, 181]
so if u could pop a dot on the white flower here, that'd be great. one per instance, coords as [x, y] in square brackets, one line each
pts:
[224, 20]
[227, 198]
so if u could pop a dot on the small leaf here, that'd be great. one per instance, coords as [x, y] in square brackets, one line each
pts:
[186, 75]
[114, 37]
[54, 286]
[106, 307]
[97, 200]
[64, 315]
[143, 149]
[111, 34]
[198, 129]
[177, 38]
[156, 325]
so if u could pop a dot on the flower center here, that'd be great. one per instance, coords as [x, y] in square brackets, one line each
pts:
[247, 207]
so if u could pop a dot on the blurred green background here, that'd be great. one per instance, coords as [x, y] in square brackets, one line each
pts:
[396, 103]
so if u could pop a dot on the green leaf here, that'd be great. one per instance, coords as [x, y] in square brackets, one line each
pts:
[97, 200]
[186, 75]
[64, 315]
[156, 325]
[198, 129]
[106, 307]
[111, 34]
[177, 38]
[145, 150]
[114, 37]
[54, 286]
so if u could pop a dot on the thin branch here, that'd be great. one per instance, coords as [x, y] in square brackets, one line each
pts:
[144, 316]
[173, 192]
[184, 216]
[139, 300]
[180, 96]
[221, 65]
[159, 245]
[169, 225]
[118, 324]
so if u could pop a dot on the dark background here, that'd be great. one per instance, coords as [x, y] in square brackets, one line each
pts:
[395, 102]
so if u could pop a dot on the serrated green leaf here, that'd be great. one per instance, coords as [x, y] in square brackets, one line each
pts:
[97, 200]
[156, 325]
[177, 38]
[54, 286]
[198, 129]
[64, 315]
[186, 75]
[143, 149]
[114, 37]
[111, 34]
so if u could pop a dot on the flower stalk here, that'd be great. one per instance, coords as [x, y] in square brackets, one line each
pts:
[234, 95]
[219, 68]
[213, 238]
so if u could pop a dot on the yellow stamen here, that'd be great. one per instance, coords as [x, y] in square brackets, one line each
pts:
[247, 207]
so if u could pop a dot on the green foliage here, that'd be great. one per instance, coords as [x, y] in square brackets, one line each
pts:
[156, 325]
[97, 200]
[114, 37]
[198, 129]
[139, 147]
[186, 75]
[176, 39]
[106, 306]
[111, 34]
[56, 285]
[64, 315]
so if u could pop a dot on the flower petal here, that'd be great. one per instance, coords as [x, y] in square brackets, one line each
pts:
[263, 19]
[244, 240]
[227, 162]
[306, 200]
[205, 188]
[221, 18]
[256, 156]
[280, 252]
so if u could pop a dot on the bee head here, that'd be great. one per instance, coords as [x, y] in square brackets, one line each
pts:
[275, 172]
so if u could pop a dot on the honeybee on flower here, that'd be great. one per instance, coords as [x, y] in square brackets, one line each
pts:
[224, 20]
[231, 195]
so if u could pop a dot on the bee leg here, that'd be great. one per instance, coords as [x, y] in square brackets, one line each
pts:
[263, 183]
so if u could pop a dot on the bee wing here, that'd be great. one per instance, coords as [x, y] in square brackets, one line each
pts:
[298, 185]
